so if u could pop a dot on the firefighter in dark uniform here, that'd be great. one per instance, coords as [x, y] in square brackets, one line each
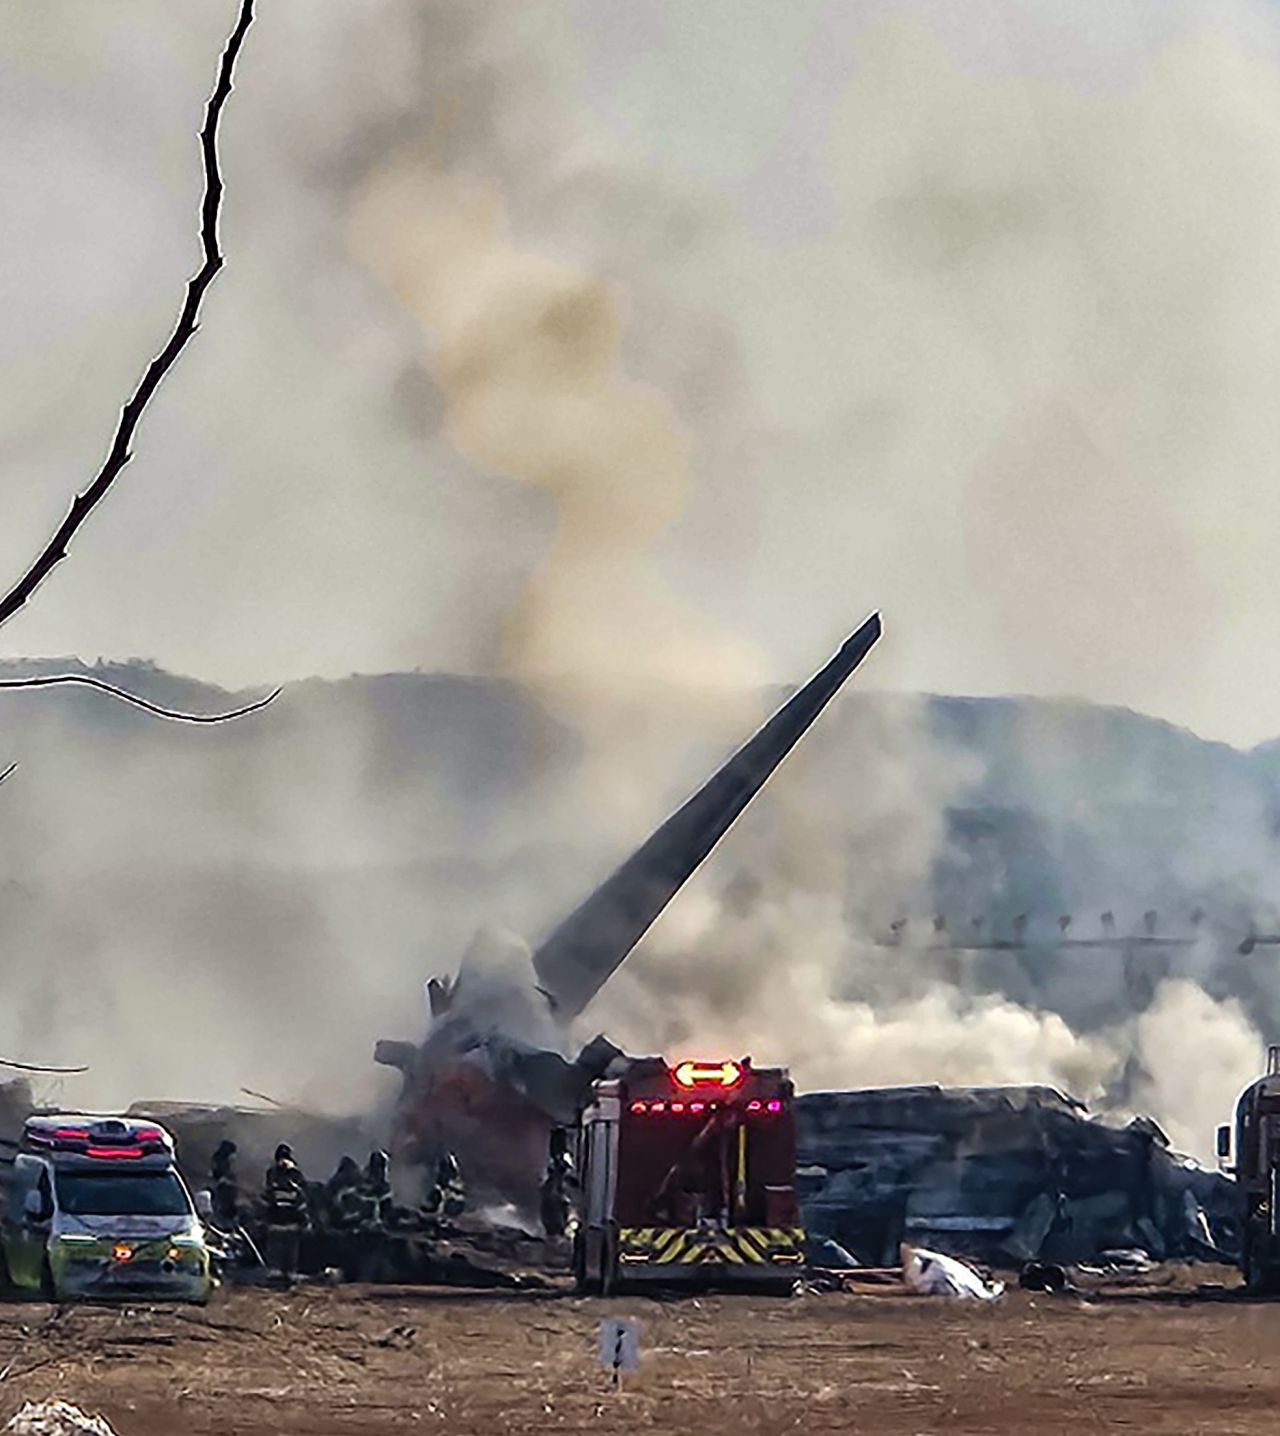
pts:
[391, 1253]
[559, 1183]
[225, 1187]
[285, 1204]
[344, 1200]
[447, 1197]
[377, 1186]
[348, 1212]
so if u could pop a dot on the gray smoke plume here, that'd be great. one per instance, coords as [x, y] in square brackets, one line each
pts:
[628, 355]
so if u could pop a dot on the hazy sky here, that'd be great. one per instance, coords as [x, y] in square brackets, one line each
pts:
[967, 312]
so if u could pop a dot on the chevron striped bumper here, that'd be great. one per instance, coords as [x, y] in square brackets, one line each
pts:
[744, 1253]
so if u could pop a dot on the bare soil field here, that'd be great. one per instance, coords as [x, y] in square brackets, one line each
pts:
[322, 1360]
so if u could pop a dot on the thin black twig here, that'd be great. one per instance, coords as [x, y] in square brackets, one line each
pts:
[53, 680]
[188, 322]
[41, 1067]
[10, 769]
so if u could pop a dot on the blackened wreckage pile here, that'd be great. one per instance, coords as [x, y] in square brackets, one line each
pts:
[1002, 1174]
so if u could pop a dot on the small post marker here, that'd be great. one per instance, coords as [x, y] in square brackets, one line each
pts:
[619, 1346]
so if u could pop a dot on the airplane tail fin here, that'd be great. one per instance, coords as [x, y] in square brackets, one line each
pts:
[584, 951]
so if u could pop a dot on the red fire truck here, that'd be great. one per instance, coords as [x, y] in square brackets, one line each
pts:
[687, 1176]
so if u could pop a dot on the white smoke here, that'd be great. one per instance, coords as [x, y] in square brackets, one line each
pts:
[759, 318]
[1196, 1057]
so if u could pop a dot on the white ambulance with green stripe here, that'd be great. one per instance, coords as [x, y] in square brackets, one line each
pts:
[95, 1207]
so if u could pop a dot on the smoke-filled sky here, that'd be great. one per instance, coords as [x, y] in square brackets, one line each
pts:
[623, 351]
[968, 312]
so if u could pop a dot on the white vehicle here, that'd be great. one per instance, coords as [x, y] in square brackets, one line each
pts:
[95, 1207]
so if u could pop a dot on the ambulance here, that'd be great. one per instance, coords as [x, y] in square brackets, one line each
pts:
[95, 1207]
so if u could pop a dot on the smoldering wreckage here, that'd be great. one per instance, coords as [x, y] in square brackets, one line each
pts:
[627, 1170]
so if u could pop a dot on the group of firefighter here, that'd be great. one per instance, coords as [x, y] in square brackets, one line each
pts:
[351, 1223]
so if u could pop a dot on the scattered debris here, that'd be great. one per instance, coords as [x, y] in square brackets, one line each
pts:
[57, 1418]
[933, 1274]
[1044, 1276]
[1134, 1262]
[399, 1338]
[1124, 1268]
[828, 1255]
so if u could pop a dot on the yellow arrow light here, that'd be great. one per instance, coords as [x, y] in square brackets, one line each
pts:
[707, 1074]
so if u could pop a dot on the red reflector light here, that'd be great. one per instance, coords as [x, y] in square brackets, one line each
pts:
[707, 1074]
[677, 1106]
[639, 1107]
[657, 1107]
[113, 1153]
[697, 1106]
[753, 1106]
[148, 1134]
[775, 1106]
[70, 1134]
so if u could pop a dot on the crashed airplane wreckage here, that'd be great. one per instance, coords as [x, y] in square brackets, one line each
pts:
[490, 1079]
[1005, 1175]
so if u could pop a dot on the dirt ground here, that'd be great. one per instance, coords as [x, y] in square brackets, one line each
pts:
[357, 1359]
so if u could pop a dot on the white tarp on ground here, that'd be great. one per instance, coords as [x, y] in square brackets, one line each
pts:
[932, 1274]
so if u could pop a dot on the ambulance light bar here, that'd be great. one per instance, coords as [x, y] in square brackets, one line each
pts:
[110, 1139]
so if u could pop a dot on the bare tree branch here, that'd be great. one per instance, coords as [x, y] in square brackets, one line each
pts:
[40, 1067]
[53, 680]
[188, 322]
